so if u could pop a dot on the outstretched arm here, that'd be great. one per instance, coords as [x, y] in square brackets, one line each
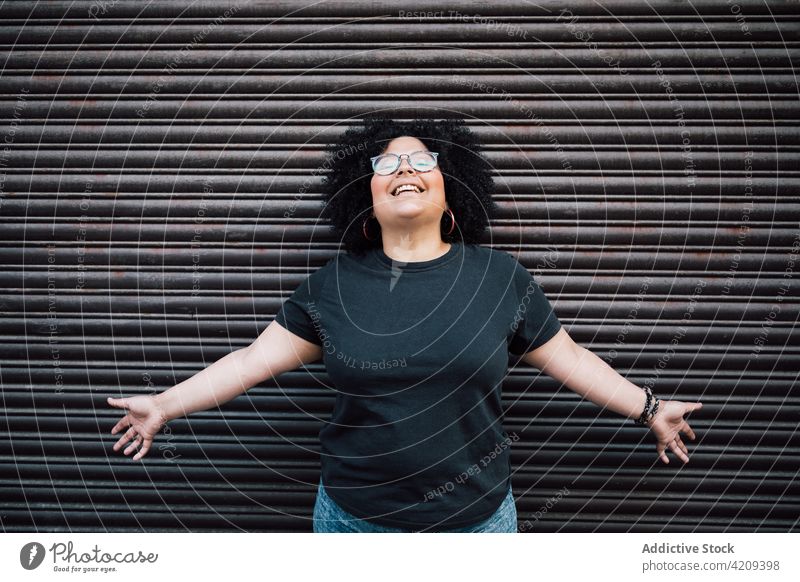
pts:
[274, 352]
[585, 373]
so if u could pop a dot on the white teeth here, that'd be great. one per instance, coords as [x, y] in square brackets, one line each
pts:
[405, 188]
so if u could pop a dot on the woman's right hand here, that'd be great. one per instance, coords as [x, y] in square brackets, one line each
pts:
[144, 418]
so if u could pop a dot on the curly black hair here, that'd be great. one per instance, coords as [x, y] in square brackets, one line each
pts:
[467, 177]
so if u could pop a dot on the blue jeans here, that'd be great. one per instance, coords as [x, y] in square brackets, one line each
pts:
[331, 518]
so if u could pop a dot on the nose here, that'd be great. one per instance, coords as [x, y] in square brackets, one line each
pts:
[407, 164]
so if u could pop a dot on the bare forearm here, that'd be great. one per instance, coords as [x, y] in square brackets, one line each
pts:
[220, 382]
[592, 378]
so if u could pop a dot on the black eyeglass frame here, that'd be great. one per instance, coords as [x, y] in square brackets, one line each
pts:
[400, 161]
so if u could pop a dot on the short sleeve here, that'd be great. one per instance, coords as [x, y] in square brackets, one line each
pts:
[300, 312]
[534, 320]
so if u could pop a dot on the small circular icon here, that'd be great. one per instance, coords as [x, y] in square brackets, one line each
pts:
[31, 555]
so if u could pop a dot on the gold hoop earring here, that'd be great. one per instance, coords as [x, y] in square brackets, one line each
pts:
[452, 221]
[364, 227]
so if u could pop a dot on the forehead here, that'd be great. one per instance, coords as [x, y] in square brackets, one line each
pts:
[404, 145]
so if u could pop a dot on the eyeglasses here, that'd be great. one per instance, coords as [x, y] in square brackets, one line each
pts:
[421, 161]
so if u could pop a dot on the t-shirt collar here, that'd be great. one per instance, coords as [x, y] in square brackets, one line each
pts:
[384, 260]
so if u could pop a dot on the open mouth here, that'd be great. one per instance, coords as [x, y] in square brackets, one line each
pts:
[406, 189]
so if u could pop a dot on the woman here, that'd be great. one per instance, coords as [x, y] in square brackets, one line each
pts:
[414, 323]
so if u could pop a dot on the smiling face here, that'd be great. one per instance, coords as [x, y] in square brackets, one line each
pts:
[396, 209]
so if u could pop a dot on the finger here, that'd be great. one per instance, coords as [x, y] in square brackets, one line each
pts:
[133, 445]
[124, 421]
[661, 454]
[118, 402]
[688, 430]
[692, 406]
[124, 438]
[681, 445]
[143, 451]
[678, 452]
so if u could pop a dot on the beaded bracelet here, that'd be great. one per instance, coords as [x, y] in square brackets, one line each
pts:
[653, 412]
[648, 413]
[643, 416]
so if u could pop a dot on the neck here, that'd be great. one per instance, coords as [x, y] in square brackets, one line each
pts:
[408, 247]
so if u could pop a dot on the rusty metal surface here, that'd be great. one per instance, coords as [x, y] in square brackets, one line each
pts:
[646, 159]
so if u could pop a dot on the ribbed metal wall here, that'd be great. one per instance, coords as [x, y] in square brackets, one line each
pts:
[152, 158]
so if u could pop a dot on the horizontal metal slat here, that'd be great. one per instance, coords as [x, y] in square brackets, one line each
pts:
[650, 28]
[721, 260]
[252, 54]
[275, 231]
[347, 8]
[312, 136]
[228, 83]
[215, 207]
[656, 106]
[287, 184]
[695, 160]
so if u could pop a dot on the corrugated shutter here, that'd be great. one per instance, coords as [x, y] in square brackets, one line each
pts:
[152, 155]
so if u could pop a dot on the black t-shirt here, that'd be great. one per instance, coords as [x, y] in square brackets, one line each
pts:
[417, 353]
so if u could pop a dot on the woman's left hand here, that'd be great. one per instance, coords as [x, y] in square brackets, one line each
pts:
[667, 425]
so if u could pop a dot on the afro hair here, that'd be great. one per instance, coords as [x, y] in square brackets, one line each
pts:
[348, 171]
